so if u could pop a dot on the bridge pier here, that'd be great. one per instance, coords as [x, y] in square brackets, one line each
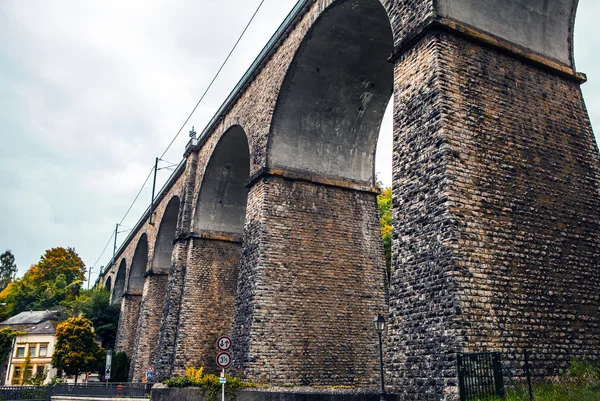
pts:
[208, 299]
[148, 325]
[312, 279]
[126, 332]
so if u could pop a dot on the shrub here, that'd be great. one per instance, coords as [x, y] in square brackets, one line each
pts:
[209, 384]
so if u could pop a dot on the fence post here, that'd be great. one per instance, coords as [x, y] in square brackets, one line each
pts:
[461, 379]
[498, 376]
[49, 392]
[528, 374]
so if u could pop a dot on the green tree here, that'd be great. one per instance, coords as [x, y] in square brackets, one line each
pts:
[55, 281]
[76, 350]
[384, 202]
[120, 368]
[8, 269]
[94, 304]
[26, 371]
[7, 335]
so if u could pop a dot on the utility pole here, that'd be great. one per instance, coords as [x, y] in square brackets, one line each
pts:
[153, 188]
[115, 246]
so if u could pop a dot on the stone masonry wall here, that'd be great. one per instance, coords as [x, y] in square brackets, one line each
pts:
[525, 194]
[126, 333]
[148, 326]
[496, 216]
[423, 326]
[314, 287]
[208, 301]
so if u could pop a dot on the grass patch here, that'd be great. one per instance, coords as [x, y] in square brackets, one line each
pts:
[580, 383]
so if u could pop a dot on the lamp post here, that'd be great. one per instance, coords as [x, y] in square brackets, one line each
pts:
[379, 323]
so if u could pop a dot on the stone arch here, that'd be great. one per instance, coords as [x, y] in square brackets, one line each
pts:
[138, 266]
[319, 202]
[221, 203]
[215, 253]
[108, 284]
[335, 94]
[119, 288]
[163, 248]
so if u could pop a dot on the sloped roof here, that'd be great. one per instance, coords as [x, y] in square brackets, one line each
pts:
[46, 327]
[30, 317]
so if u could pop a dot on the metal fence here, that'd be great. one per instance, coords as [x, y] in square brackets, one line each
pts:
[38, 393]
[479, 375]
[104, 390]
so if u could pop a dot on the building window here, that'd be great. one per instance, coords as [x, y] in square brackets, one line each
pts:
[21, 352]
[39, 371]
[17, 374]
[32, 350]
[43, 350]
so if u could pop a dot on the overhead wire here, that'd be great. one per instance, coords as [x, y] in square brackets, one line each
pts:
[215, 77]
[185, 123]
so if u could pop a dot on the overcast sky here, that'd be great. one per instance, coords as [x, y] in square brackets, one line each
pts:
[92, 91]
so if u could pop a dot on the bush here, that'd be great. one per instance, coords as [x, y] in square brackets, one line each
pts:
[209, 384]
[120, 368]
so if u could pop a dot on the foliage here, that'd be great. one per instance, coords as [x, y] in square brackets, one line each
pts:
[26, 371]
[384, 202]
[8, 269]
[39, 378]
[76, 350]
[7, 336]
[55, 280]
[95, 305]
[120, 368]
[209, 384]
[581, 383]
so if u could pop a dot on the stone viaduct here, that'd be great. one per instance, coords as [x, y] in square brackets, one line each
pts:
[268, 230]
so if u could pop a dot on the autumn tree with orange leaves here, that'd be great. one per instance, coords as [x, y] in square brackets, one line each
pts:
[54, 281]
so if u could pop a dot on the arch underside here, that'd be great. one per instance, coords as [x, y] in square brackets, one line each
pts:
[541, 26]
[166, 235]
[119, 288]
[335, 94]
[138, 266]
[222, 201]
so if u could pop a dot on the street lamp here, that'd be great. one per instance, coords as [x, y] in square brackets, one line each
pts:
[379, 323]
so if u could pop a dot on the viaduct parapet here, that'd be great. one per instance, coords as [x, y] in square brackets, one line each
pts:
[269, 231]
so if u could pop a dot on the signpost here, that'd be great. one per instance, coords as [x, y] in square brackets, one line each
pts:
[108, 365]
[224, 344]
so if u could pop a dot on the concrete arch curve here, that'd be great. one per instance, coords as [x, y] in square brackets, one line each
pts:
[119, 288]
[108, 284]
[335, 93]
[138, 266]
[221, 205]
[163, 248]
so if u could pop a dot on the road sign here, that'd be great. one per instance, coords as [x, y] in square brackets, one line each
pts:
[150, 368]
[224, 343]
[149, 375]
[222, 380]
[224, 359]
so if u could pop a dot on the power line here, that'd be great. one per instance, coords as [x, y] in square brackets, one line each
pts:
[215, 77]
[137, 196]
[104, 250]
[185, 123]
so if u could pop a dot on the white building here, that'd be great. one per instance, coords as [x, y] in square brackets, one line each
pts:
[37, 342]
